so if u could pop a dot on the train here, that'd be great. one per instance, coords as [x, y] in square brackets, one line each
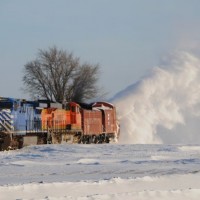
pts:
[24, 122]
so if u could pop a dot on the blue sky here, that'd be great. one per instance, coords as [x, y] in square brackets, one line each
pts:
[127, 38]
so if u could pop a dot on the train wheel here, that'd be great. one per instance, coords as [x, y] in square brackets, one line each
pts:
[94, 139]
[5, 142]
[107, 140]
[83, 141]
[16, 143]
[91, 139]
[99, 139]
[87, 139]
[80, 140]
[56, 138]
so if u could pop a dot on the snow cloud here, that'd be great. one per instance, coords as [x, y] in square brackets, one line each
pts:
[163, 106]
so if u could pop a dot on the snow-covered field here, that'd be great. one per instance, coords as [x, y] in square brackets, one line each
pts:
[111, 171]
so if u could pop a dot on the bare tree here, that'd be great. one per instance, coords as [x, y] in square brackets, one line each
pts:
[57, 75]
[84, 82]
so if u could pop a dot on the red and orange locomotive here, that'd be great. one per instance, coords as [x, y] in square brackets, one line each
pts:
[25, 123]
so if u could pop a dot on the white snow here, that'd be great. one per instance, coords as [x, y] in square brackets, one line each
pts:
[108, 171]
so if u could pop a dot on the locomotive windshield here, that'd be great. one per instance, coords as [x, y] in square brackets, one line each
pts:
[67, 106]
[75, 109]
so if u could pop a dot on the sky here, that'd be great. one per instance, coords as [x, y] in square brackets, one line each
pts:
[126, 38]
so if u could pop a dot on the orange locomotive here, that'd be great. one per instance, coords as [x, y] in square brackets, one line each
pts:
[62, 124]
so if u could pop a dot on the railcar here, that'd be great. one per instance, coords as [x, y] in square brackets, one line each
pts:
[24, 123]
[99, 123]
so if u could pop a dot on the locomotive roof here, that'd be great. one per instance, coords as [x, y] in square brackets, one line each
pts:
[99, 104]
[6, 102]
[103, 104]
[85, 105]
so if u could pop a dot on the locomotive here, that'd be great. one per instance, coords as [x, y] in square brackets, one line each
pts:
[24, 123]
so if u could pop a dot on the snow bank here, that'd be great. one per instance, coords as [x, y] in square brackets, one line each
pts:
[166, 187]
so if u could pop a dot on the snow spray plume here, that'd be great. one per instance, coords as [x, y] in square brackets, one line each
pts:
[165, 98]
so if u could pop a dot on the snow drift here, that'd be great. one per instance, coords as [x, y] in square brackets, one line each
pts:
[164, 106]
[101, 172]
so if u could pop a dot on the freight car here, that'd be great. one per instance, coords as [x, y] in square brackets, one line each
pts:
[24, 123]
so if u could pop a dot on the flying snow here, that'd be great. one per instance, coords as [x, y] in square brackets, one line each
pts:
[164, 106]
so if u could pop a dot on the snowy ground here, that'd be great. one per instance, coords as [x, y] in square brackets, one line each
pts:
[110, 171]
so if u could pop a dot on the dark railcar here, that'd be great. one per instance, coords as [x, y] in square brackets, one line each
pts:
[91, 122]
[109, 119]
[99, 123]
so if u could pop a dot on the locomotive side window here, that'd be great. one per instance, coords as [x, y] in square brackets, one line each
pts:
[73, 109]
[67, 106]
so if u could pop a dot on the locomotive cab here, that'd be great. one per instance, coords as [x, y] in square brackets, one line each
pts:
[73, 112]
